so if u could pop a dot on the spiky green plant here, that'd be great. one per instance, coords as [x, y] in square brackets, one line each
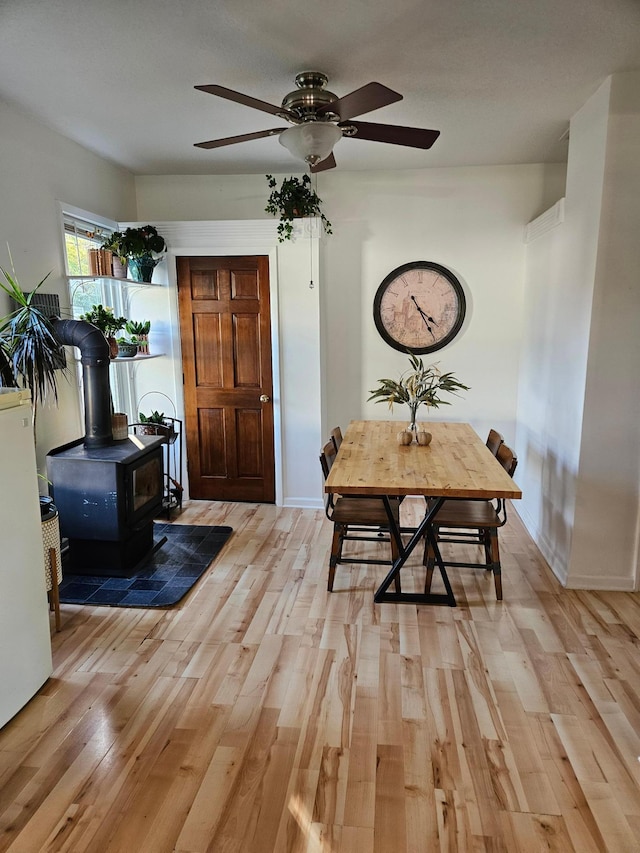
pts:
[155, 417]
[418, 385]
[29, 341]
[138, 327]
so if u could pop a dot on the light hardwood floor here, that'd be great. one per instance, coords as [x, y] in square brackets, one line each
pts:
[265, 714]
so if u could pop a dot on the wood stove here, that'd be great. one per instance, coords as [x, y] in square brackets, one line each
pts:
[107, 492]
[107, 498]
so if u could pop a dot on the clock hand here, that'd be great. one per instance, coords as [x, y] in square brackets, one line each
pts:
[425, 318]
[430, 319]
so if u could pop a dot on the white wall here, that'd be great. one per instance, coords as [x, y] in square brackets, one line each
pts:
[470, 220]
[38, 168]
[547, 490]
[579, 409]
[559, 291]
[605, 546]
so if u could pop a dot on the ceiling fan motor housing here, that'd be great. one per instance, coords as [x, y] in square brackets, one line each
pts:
[310, 96]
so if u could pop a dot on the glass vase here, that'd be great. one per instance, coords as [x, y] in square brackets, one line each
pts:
[413, 409]
[141, 269]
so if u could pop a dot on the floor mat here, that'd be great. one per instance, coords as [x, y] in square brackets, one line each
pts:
[162, 580]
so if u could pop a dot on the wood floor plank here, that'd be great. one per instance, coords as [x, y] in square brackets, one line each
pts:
[263, 714]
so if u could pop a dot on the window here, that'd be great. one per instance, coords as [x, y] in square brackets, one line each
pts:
[82, 231]
[79, 237]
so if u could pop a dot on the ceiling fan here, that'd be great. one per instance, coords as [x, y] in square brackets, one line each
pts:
[320, 119]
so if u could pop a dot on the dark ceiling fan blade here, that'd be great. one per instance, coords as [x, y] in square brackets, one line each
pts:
[247, 100]
[328, 163]
[362, 100]
[412, 137]
[244, 137]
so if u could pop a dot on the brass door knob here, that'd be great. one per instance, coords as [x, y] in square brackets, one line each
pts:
[264, 398]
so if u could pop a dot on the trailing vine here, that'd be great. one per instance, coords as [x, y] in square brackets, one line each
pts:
[294, 199]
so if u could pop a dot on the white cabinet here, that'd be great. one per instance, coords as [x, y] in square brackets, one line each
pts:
[25, 643]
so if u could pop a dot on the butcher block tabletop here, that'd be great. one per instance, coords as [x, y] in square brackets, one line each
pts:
[456, 464]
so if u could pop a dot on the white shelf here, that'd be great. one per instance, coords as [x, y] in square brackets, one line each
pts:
[126, 281]
[138, 357]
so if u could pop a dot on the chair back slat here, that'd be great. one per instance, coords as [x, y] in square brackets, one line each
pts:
[327, 458]
[507, 458]
[494, 441]
[336, 437]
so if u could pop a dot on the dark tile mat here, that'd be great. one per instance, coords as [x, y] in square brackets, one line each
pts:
[163, 580]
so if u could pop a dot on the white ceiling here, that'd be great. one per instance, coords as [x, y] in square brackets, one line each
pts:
[499, 78]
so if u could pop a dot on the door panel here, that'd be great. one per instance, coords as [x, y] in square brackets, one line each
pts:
[246, 357]
[225, 329]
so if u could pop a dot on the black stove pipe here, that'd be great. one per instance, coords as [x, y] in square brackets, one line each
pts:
[94, 350]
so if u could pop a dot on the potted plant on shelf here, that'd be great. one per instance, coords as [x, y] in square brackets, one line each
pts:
[295, 198]
[156, 424]
[127, 348]
[144, 248]
[114, 243]
[104, 319]
[418, 385]
[139, 329]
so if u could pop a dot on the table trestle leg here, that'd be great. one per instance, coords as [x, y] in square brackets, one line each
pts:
[423, 529]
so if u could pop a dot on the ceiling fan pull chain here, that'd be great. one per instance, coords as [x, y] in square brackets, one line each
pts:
[310, 261]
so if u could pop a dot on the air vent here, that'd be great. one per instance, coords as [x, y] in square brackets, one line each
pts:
[545, 222]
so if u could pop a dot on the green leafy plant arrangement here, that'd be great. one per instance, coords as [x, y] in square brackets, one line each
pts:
[115, 243]
[143, 248]
[418, 385]
[295, 198]
[143, 242]
[104, 319]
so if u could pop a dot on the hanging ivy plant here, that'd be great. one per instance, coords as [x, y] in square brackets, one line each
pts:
[295, 198]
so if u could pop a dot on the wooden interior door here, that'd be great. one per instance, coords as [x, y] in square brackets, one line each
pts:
[225, 329]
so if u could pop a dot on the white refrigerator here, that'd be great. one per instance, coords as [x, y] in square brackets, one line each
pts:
[25, 639]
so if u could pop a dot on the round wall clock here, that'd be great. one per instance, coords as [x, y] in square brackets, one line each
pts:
[419, 307]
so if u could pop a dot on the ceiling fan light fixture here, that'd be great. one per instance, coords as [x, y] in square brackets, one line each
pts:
[311, 141]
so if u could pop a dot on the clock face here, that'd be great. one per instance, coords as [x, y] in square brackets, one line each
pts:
[419, 307]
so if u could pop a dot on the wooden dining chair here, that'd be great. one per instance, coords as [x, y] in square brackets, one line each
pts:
[356, 518]
[473, 522]
[494, 441]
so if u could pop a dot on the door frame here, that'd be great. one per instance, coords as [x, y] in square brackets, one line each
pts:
[299, 393]
[256, 241]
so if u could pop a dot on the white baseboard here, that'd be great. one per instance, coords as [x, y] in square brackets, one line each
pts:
[303, 503]
[601, 584]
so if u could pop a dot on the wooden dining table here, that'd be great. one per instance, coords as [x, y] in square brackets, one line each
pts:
[456, 464]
